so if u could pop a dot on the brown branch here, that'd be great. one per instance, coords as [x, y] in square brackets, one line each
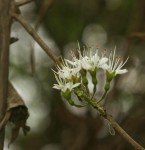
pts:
[23, 2]
[116, 126]
[5, 23]
[36, 37]
[127, 137]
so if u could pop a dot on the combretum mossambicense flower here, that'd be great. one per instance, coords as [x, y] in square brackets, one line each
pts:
[71, 75]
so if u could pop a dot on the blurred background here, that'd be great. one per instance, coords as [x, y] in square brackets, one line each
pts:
[103, 24]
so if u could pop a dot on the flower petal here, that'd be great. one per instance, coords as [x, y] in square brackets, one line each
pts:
[121, 71]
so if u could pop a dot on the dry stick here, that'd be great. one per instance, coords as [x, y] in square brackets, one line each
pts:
[23, 2]
[127, 137]
[5, 22]
[116, 126]
[36, 37]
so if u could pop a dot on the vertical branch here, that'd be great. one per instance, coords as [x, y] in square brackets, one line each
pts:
[5, 21]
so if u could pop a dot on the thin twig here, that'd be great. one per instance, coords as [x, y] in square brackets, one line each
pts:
[116, 126]
[23, 2]
[127, 137]
[36, 37]
[113, 123]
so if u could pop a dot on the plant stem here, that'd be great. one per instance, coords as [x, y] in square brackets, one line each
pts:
[5, 23]
[127, 137]
[116, 126]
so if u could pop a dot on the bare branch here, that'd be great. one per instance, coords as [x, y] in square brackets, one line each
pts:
[127, 137]
[5, 22]
[116, 126]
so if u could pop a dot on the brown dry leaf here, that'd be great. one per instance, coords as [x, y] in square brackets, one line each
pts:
[18, 118]
[17, 113]
[15, 133]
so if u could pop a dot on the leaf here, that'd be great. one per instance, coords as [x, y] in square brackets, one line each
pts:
[18, 117]
[13, 40]
[17, 113]
[15, 133]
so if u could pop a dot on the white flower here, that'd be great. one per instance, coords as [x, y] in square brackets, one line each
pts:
[63, 85]
[67, 72]
[84, 63]
[115, 64]
[89, 61]
[98, 62]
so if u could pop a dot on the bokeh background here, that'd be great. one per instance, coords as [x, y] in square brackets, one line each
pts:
[103, 24]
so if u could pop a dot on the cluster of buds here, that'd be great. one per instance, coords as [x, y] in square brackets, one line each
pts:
[71, 75]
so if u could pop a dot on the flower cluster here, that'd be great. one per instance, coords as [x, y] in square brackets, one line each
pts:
[71, 75]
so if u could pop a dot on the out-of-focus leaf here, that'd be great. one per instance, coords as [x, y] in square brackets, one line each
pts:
[13, 40]
[17, 113]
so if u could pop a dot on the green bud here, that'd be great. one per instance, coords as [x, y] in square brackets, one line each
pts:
[93, 72]
[93, 75]
[107, 86]
[84, 77]
[84, 80]
[66, 94]
[110, 76]
[79, 92]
